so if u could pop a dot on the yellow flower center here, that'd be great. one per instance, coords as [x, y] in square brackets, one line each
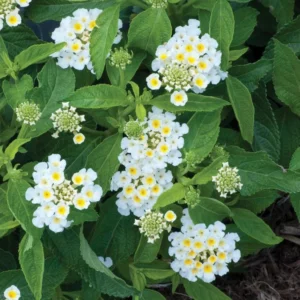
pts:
[12, 294]
[77, 26]
[200, 47]
[207, 269]
[56, 176]
[13, 20]
[155, 124]
[93, 24]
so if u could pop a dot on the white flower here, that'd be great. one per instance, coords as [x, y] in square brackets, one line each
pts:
[186, 62]
[170, 216]
[55, 195]
[76, 30]
[153, 82]
[179, 98]
[12, 293]
[107, 261]
[23, 3]
[78, 138]
[13, 18]
[202, 252]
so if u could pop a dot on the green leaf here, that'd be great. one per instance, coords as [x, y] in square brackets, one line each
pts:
[114, 74]
[54, 274]
[157, 270]
[282, 10]
[195, 103]
[236, 54]
[107, 26]
[208, 210]
[258, 202]
[55, 85]
[140, 111]
[18, 39]
[7, 262]
[175, 193]
[36, 54]
[204, 4]
[221, 28]
[31, 257]
[295, 200]
[206, 174]
[13, 148]
[3, 65]
[137, 277]
[151, 294]
[44, 10]
[21, 208]
[203, 133]
[258, 172]
[149, 35]
[114, 234]
[8, 225]
[255, 227]
[81, 216]
[99, 96]
[266, 132]
[69, 247]
[15, 277]
[147, 252]
[251, 74]
[245, 22]
[289, 129]
[286, 77]
[295, 161]
[15, 93]
[241, 101]
[104, 160]
[203, 291]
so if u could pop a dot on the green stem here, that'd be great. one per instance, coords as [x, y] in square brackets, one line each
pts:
[92, 131]
[122, 83]
[127, 111]
[24, 130]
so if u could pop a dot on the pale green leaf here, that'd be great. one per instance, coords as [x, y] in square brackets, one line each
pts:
[147, 252]
[254, 226]
[31, 257]
[149, 35]
[295, 161]
[241, 102]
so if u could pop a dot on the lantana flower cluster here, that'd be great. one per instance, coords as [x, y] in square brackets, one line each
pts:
[186, 62]
[55, 194]
[76, 31]
[202, 252]
[153, 223]
[66, 119]
[150, 146]
[28, 113]
[9, 12]
[227, 180]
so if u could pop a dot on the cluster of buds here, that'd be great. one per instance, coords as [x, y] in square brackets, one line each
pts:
[28, 113]
[68, 120]
[120, 58]
[158, 3]
[227, 180]
[152, 224]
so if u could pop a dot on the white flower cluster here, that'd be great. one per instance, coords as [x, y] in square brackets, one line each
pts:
[227, 180]
[28, 113]
[68, 120]
[76, 31]
[12, 293]
[186, 62]
[152, 224]
[107, 261]
[145, 159]
[202, 252]
[9, 11]
[56, 195]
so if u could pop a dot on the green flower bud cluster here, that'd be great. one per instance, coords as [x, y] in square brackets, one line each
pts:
[133, 129]
[28, 113]
[217, 151]
[120, 58]
[227, 180]
[158, 3]
[192, 196]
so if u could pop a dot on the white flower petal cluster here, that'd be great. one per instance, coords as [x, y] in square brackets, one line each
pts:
[145, 159]
[12, 293]
[9, 12]
[55, 195]
[202, 252]
[186, 62]
[107, 261]
[227, 180]
[28, 113]
[66, 119]
[153, 223]
[76, 31]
